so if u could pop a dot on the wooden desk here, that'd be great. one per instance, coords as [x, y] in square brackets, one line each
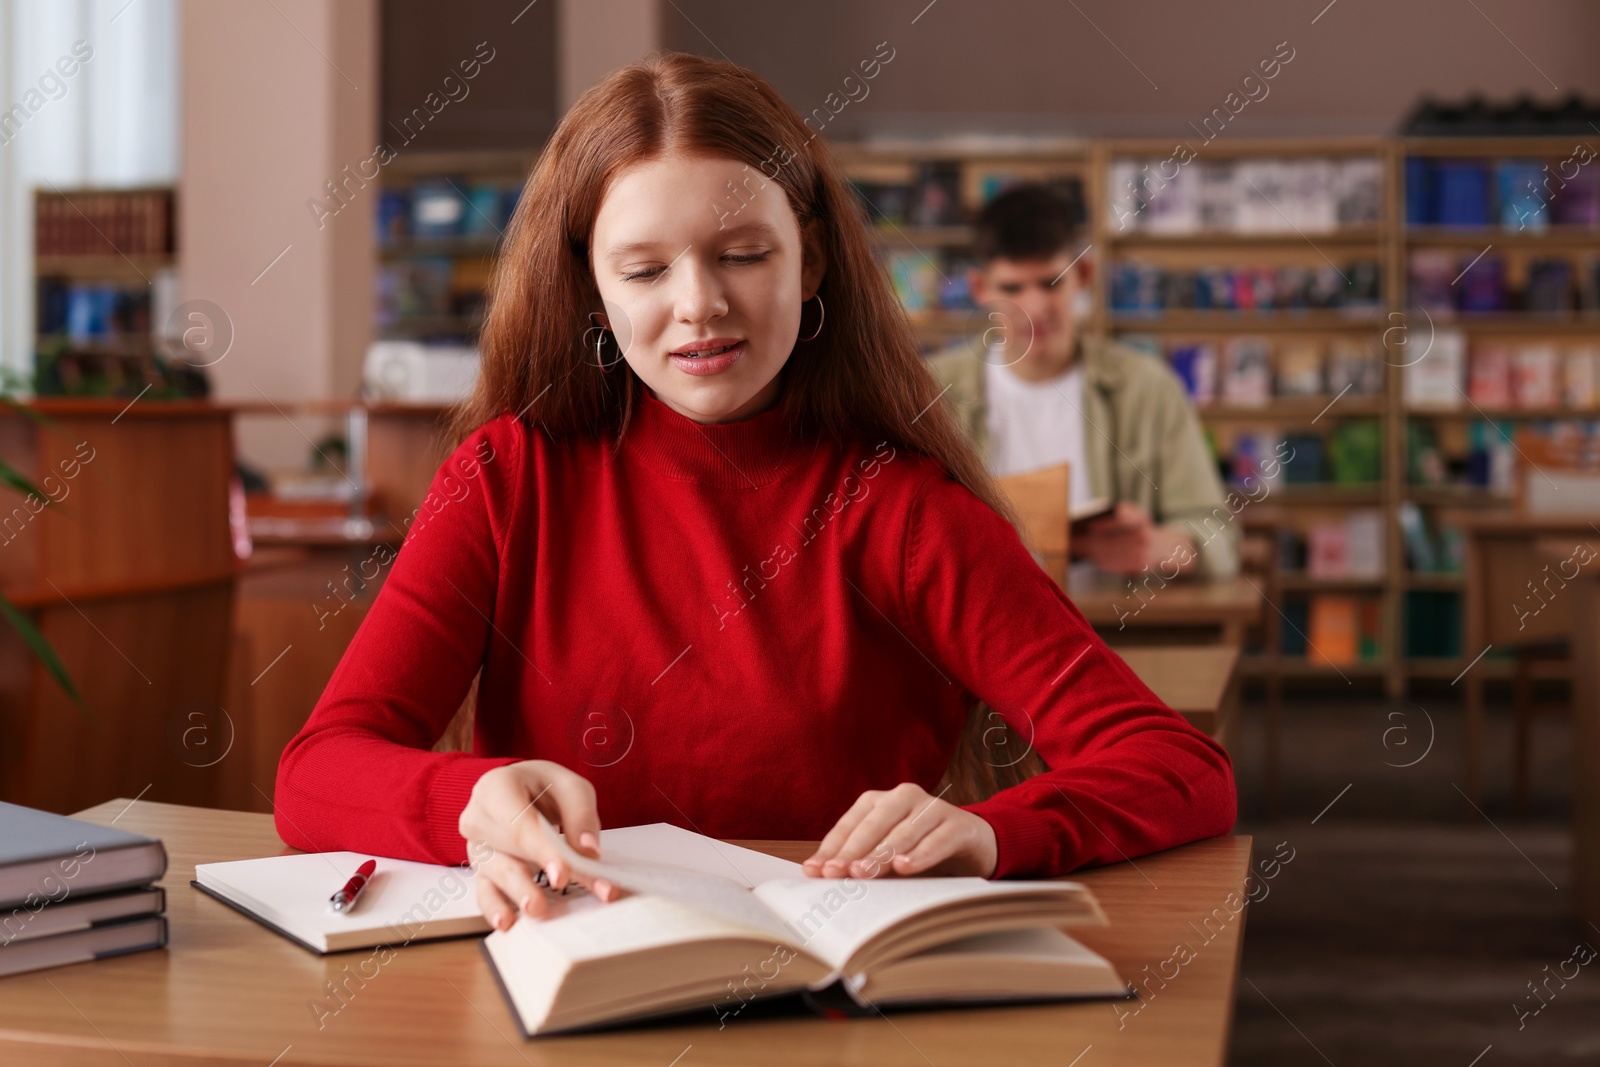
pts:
[228, 991]
[1503, 555]
[1198, 681]
[1586, 747]
[1190, 611]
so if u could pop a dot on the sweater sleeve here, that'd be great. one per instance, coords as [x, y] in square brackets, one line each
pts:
[361, 774]
[1128, 775]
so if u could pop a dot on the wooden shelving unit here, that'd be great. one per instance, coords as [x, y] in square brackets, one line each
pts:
[1518, 247]
[103, 260]
[1391, 241]
[1388, 242]
[1291, 503]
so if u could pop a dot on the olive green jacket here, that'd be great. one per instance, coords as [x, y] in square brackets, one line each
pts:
[1142, 440]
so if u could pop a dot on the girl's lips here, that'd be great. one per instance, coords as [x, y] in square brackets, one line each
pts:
[703, 365]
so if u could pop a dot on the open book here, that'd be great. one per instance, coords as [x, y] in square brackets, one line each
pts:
[717, 939]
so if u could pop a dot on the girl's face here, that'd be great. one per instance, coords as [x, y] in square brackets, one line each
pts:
[696, 254]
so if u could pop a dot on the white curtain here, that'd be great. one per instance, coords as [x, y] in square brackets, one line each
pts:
[111, 123]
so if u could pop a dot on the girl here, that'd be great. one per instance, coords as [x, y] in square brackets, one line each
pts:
[719, 556]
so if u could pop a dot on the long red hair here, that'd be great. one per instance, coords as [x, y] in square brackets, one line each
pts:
[861, 378]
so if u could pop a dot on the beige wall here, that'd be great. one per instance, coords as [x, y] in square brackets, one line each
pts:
[278, 98]
[1041, 64]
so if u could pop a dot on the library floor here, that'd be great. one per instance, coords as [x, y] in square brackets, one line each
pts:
[1404, 931]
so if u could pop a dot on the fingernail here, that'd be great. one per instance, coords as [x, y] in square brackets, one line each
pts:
[589, 841]
[527, 904]
[550, 872]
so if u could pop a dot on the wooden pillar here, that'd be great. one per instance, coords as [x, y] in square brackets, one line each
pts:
[278, 101]
[595, 37]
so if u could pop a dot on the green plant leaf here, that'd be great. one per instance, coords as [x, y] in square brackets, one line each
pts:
[41, 648]
[10, 477]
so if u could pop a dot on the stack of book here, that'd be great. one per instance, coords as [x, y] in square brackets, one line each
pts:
[72, 891]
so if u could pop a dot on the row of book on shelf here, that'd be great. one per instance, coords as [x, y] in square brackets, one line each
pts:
[1453, 372]
[1331, 629]
[88, 312]
[1518, 194]
[1318, 195]
[1140, 287]
[134, 222]
[425, 287]
[1349, 454]
[1432, 546]
[1488, 464]
[932, 280]
[1345, 629]
[1252, 371]
[1445, 282]
[444, 208]
[934, 195]
[1350, 546]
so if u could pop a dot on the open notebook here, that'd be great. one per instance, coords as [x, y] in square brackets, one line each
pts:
[406, 901]
[720, 935]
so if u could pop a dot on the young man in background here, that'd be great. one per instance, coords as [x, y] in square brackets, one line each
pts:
[1038, 392]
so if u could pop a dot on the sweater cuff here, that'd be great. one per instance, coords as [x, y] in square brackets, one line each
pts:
[448, 794]
[1025, 842]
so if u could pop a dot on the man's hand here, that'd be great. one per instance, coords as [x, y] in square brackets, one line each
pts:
[1127, 542]
[498, 822]
[905, 831]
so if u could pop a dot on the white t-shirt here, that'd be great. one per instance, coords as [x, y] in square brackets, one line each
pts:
[1037, 424]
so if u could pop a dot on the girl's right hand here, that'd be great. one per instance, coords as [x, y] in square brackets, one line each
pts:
[498, 822]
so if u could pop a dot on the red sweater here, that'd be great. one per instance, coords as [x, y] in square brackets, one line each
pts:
[738, 633]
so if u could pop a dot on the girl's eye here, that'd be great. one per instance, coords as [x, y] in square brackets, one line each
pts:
[650, 273]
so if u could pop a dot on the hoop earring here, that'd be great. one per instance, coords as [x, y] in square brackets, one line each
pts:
[822, 314]
[599, 339]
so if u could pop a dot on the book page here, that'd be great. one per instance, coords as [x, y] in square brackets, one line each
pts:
[632, 924]
[672, 846]
[710, 893]
[833, 917]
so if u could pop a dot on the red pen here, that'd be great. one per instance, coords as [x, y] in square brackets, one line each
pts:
[345, 899]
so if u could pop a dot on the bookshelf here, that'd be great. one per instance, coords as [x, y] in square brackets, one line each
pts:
[1500, 241]
[1263, 271]
[440, 218]
[920, 196]
[105, 279]
[1449, 432]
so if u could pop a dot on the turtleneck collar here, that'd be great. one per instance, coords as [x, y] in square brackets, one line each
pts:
[746, 454]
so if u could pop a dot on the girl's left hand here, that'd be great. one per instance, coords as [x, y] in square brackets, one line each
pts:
[905, 831]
